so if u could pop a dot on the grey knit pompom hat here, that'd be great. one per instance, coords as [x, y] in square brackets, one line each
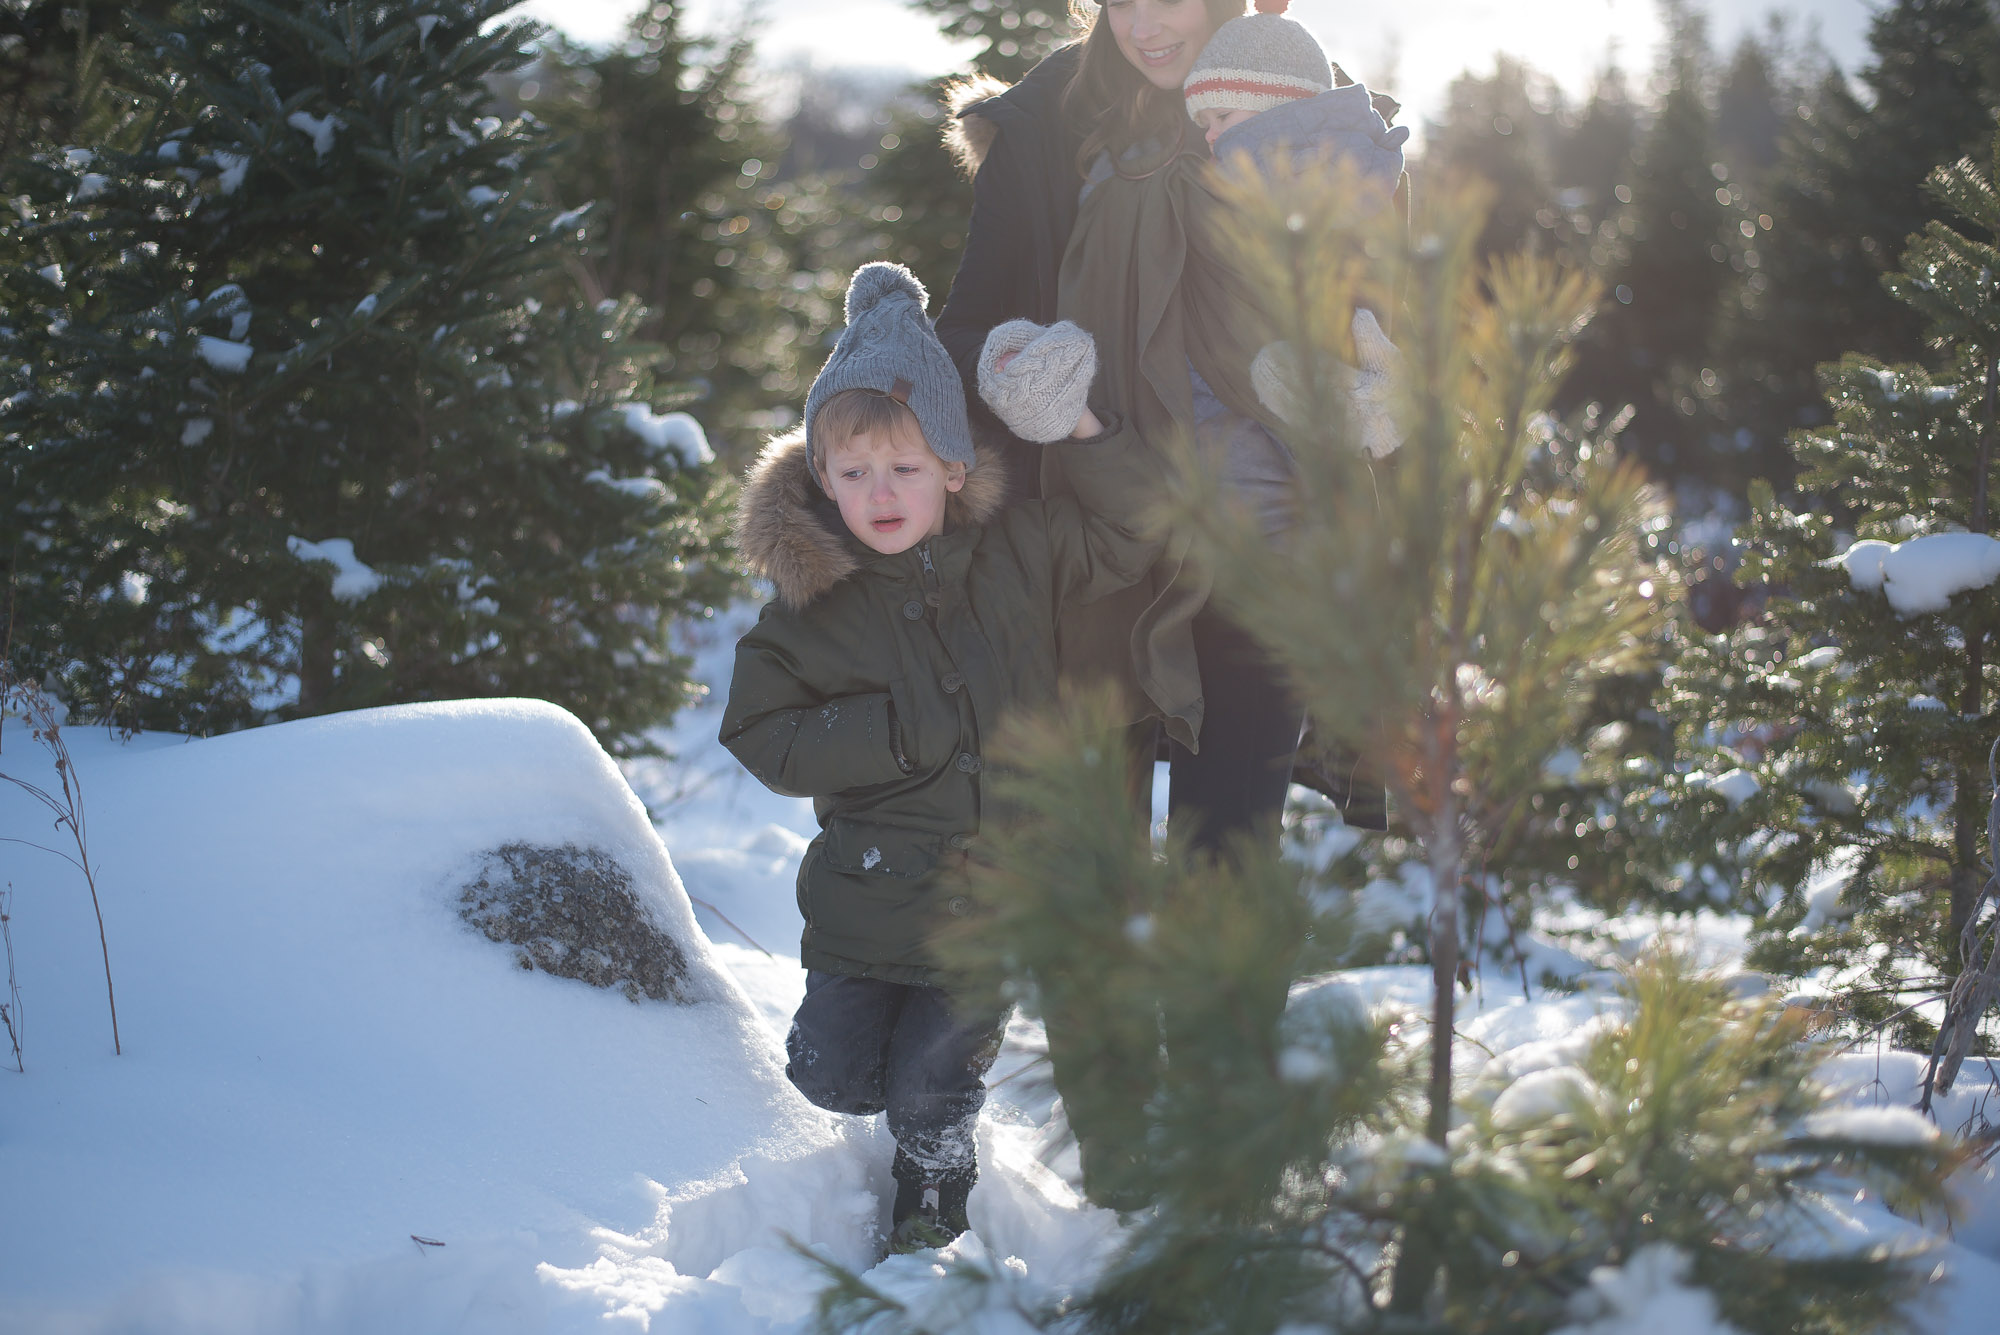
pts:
[890, 347]
[1257, 62]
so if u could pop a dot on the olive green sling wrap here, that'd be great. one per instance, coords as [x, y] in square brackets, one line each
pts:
[1139, 275]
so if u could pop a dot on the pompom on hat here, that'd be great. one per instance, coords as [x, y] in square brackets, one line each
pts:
[890, 347]
[1257, 62]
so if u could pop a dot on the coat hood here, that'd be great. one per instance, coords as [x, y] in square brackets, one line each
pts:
[1344, 122]
[789, 531]
[978, 108]
[967, 137]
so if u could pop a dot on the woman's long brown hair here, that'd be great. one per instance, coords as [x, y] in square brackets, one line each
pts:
[1116, 106]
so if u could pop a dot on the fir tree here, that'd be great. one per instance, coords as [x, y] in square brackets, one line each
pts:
[1845, 196]
[920, 202]
[731, 264]
[1482, 580]
[1653, 348]
[1016, 33]
[1508, 129]
[289, 429]
[1445, 610]
[1838, 750]
[55, 59]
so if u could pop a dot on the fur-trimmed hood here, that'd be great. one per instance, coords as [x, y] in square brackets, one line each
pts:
[967, 138]
[978, 108]
[789, 531]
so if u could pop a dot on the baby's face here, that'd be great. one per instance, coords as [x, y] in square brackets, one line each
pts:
[890, 488]
[1214, 120]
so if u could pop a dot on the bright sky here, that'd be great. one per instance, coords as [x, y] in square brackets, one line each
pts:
[1413, 49]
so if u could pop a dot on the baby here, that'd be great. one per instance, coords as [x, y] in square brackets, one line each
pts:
[1263, 86]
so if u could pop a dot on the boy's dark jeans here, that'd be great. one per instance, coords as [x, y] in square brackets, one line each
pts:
[863, 1046]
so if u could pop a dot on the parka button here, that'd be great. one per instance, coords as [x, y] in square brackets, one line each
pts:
[914, 610]
[959, 906]
[968, 763]
[960, 841]
[952, 681]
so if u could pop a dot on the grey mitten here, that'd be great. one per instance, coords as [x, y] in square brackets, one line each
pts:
[1041, 392]
[1274, 374]
[1374, 390]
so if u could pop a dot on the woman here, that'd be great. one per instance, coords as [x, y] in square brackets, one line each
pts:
[1233, 724]
[1027, 149]
[1116, 95]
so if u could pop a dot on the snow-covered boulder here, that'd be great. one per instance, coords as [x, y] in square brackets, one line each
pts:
[339, 1109]
[571, 912]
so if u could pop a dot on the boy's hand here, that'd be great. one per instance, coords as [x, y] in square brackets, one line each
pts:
[1037, 378]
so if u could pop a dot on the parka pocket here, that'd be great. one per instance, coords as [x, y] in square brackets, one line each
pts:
[880, 850]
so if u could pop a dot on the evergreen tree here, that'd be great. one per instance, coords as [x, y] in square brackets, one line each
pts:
[1839, 748]
[1508, 129]
[1595, 159]
[730, 264]
[1653, 348]
[1749, 106]
[920, 202]
[1845, 196]
[55, 59]
[288, 428]
[1016, 33]
[1444, 611]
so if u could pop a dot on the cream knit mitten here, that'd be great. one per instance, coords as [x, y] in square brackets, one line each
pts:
[1042, 391]
[1368, 390]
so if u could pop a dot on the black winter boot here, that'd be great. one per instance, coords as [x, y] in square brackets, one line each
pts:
[930, 1206]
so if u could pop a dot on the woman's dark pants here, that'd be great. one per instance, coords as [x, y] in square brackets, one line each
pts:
[1232, 790]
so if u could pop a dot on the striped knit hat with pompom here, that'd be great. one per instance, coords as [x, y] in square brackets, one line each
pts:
[1257, 62]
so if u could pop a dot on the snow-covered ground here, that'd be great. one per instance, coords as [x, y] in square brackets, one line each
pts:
[341, 1110]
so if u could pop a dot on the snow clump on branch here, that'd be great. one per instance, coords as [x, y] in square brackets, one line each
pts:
[1922, 574]
[352, 581]
[676, 432]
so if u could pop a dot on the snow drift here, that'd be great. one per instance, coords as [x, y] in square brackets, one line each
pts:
[341, 1108]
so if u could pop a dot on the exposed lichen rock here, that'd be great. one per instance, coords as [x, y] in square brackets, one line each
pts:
[571, 912]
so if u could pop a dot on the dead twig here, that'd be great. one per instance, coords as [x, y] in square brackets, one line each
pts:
[704, 904]
[40, 712]
[1977, 986]
[10, 1011]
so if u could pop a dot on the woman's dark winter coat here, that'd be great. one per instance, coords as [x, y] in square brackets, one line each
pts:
[1020, 151]
[872, 683]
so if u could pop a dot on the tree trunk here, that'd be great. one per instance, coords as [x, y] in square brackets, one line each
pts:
[315, 661]
[1419, 1263]
[1445, 870]
[1970, 800]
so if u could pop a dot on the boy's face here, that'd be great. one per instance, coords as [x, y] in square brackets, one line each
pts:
[1214, 120]
[890, 487]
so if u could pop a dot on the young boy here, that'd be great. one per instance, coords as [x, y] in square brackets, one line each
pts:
[911, 617]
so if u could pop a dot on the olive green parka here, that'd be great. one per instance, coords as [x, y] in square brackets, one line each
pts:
[872, 683]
